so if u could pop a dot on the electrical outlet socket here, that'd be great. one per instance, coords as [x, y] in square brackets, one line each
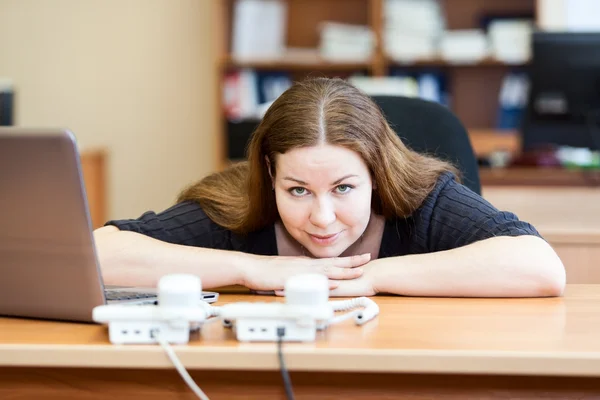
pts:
[265, 330]
[258, 322]
[144, 332]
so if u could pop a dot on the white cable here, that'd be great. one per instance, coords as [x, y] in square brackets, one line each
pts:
[370, 308]
[345, 305]
[338, 319]
[211, 320]
[341, 318]
[211, 311]
[180, 367]
[195, 326]
[211, 314]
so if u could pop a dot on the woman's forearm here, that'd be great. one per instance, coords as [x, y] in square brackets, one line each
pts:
[132, 259]
[524, 266]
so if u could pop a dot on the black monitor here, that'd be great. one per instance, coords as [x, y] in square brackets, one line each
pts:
[564, 98]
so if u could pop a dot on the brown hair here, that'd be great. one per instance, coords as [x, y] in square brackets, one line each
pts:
[312, 112]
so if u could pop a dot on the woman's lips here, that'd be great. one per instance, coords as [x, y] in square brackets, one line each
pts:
[324, 240]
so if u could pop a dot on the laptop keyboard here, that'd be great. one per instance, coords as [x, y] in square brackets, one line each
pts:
[123, 295]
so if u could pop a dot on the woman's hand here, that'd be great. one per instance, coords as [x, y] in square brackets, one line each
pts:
[271, 273]
[363, 286]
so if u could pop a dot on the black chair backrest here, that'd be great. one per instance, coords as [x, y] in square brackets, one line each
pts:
[431, 128]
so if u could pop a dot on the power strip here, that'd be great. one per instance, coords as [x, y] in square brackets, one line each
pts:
[180, 309]
[261, 321]
[305, 311]
[128, 324]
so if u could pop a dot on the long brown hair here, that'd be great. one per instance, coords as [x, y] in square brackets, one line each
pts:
[312, 112]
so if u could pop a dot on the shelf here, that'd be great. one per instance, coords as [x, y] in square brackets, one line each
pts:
[438, 62]
[314, 62]
[302, 62]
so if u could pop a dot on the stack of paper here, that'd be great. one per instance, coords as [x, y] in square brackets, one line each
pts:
[345, 42]
[412, 29]
[258, 29]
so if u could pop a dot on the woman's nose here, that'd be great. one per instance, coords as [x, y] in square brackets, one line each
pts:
[322, 213]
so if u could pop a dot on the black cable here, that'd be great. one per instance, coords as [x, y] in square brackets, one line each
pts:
[287, 382]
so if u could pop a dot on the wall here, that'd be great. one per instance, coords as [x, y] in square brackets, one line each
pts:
[133, 76]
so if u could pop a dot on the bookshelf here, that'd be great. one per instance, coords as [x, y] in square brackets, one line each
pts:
[474, 88]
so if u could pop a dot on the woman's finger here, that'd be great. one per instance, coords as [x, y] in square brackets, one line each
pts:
[341, 273]
[349, 262]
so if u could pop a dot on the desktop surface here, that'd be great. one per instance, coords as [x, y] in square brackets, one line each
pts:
[426, 348]
[536, 335]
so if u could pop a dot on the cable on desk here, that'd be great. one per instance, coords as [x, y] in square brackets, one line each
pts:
[179, 366]
[287, 382]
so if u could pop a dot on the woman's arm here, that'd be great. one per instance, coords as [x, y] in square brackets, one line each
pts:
[523, 266]
[133, 259]
[464, 246]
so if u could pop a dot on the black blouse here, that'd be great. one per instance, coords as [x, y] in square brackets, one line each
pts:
[451, 216]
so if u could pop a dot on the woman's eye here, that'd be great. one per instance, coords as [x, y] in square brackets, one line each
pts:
[298, 191]
[343, 188]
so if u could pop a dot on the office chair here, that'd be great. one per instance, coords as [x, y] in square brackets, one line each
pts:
[429, 127]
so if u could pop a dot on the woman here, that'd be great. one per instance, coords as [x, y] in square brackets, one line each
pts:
[330, 188]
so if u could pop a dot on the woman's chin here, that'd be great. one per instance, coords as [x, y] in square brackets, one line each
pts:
[325, 252]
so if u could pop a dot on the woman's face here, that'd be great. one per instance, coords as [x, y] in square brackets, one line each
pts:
[323, 196]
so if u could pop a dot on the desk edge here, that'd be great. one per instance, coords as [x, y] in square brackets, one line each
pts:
[264, 358]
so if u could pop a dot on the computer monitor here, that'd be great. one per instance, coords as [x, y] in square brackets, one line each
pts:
[564, 98]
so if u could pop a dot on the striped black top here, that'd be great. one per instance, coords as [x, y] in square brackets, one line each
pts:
[451, 216]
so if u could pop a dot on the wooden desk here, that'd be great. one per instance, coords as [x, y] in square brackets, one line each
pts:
[487, 141]
[417, 348]
[539, 177]
[568, 217]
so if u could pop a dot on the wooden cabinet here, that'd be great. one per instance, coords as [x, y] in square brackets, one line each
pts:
[567, 217]
[93, 164]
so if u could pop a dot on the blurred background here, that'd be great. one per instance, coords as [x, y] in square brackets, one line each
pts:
[162, 92]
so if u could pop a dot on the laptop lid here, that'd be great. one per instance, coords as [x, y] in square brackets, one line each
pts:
[48, 263]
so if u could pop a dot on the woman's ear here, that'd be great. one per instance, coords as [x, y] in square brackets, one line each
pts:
[268, 162]
[373, 182]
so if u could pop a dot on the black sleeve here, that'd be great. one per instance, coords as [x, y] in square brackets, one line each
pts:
[184, 223]
[453, 216]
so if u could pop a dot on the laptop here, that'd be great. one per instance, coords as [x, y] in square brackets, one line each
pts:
[48, 263]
